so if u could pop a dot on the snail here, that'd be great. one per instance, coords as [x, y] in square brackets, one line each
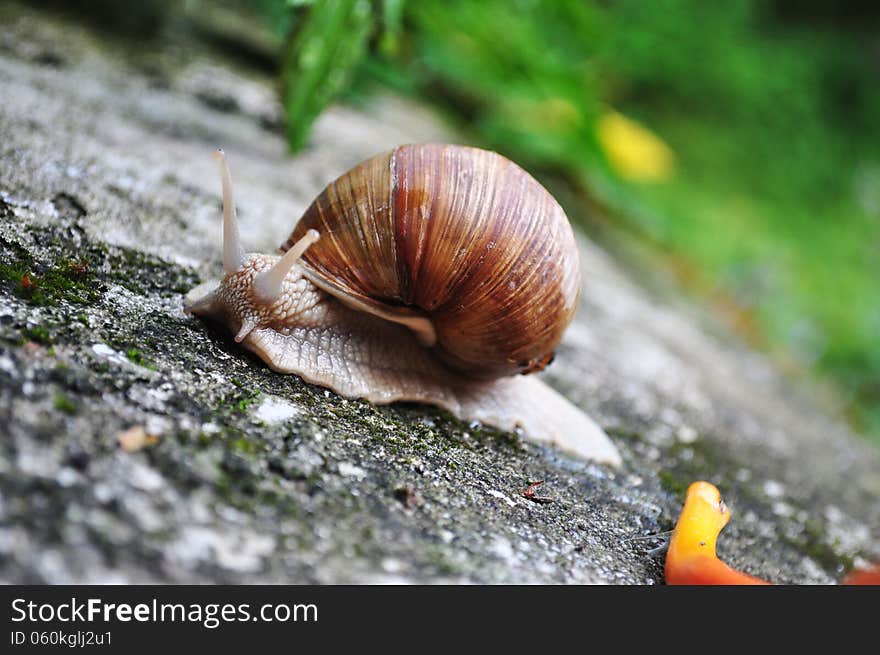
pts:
[433, 274]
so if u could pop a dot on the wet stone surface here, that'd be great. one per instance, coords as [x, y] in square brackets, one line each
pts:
[109, 213]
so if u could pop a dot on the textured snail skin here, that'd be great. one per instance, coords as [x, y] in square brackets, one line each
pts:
[360, 348]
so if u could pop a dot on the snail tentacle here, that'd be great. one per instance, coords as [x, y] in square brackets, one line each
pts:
[267, 285]
[247, 326]
[233, 253]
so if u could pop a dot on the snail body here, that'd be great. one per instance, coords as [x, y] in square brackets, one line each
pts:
[431, 273]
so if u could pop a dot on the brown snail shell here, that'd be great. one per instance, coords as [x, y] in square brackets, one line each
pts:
[460, 235]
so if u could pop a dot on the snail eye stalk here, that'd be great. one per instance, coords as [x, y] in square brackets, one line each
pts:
[267, 285]
[233, 254]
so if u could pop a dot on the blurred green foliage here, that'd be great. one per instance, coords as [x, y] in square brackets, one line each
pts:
[319, 56]
[324, 43]
[770, 108]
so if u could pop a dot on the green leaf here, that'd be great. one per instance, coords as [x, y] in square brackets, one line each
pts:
[324, 48]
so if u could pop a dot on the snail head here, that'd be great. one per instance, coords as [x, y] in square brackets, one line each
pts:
[256, 290]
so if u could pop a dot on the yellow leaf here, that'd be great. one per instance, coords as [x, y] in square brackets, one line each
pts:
[634, 152]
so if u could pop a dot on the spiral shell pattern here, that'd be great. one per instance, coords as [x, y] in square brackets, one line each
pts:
[461, 235]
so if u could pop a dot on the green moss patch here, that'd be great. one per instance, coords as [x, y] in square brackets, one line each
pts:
[70, 280]
[76, 270]
[136, 356]
[64, 403]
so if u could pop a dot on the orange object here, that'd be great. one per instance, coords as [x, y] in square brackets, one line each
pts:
[691, 559]
[869, 576]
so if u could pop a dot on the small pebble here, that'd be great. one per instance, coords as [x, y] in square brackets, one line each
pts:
[136, 438]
